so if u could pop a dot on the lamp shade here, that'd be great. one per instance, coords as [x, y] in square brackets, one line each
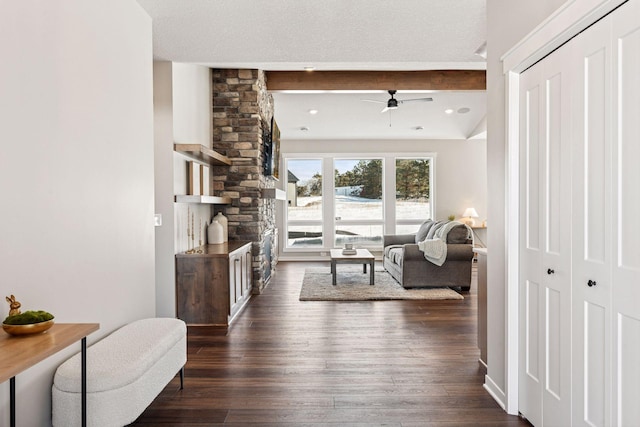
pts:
[470, 213]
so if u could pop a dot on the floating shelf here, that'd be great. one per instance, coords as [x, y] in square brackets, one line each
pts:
[274, 193]
[203, 154]
[211, 200]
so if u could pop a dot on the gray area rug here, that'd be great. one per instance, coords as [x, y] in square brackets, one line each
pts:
[353, 285]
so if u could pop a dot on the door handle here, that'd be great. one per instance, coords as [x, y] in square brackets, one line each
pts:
[591, 283]
[550, 271]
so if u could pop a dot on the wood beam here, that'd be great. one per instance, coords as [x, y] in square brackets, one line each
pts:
[377, 80]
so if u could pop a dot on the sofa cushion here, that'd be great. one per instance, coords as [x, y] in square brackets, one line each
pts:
[436, 226]
[387, 249]
[458, 234]
[395, 255]
[424, 230]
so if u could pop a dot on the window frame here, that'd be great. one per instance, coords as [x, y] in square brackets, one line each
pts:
[328, 221]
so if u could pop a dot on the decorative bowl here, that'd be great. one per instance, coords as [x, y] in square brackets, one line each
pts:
[32, 328]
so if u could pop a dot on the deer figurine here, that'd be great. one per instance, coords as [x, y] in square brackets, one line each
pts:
[14, 306]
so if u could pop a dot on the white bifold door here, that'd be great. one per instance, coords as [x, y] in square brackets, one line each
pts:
[580, 229]
[545, 242]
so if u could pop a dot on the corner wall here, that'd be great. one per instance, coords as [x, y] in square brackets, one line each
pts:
[76, 173]
[508, 21]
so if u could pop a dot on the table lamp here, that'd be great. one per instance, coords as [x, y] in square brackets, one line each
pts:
[469, 215]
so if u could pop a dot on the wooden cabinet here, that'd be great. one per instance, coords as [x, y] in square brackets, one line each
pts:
[212, 287]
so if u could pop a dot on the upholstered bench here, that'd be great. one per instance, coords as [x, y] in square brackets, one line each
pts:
[126, 370]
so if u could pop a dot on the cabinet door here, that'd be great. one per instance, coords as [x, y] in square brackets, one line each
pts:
[239, 273]
[626, 224]
[247, 272]
[592, 207]
[545, 253]
[234, 278]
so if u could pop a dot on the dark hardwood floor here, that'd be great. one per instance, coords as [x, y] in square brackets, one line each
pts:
[291, 363]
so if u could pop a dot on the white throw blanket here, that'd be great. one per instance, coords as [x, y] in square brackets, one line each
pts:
[435, 250]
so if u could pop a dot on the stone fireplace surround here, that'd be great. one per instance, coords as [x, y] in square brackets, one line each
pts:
[242, 108]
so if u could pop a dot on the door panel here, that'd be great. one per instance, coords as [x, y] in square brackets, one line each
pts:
[530, 397]
[532, 335]
[592, 227]
[626, 225]
[595, 368]
[545, 254]
[595, 167]
[555, 173]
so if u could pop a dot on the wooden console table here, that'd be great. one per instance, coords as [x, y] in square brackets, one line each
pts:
[18, 354]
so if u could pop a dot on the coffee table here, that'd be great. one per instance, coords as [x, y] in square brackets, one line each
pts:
[362, 256]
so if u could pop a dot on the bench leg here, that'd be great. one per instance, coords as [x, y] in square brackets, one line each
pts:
[181, 378]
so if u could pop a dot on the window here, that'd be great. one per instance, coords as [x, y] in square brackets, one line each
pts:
[356, 199]
[413, 193]
[358, 202]
[304, 203]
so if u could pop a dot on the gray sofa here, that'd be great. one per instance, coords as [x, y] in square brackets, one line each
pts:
[407, 264]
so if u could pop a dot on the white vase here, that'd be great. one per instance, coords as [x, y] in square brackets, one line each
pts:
[224, 223]
[215, 233]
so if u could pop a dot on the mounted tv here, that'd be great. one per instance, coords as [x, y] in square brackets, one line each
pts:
[275, 149]
[271, 159]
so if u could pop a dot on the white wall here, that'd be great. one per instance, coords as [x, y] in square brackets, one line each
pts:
[182, 108]
[508, 21]
[191, 124]
[461, 168]
[76, 172]
[164, 201]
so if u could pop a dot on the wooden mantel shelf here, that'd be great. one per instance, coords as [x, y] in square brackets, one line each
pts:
[201, 153]
[212, 200]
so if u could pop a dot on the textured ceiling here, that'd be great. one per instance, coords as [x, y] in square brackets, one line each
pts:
[335, 35]
[328, 34]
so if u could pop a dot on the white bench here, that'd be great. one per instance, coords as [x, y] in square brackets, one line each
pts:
[126, 370]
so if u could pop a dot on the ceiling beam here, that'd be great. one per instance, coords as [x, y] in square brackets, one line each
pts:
[377, 80]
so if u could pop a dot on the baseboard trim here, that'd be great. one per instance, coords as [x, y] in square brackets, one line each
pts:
[495, 392]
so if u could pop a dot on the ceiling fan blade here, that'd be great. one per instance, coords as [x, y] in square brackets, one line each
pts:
[384, 110]
[415, 99]
[373, 100]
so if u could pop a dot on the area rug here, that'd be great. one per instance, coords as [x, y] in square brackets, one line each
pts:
[353, 285]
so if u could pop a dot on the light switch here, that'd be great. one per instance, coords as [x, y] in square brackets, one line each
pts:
[157, 220]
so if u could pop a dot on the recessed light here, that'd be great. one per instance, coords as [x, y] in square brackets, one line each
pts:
[304, 129]
[309, 68]
[449, 111]
[464, 110]
[313, 111]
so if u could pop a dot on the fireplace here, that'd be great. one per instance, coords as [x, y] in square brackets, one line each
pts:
[269, 253]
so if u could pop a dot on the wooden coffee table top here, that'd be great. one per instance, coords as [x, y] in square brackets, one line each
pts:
[362, 254]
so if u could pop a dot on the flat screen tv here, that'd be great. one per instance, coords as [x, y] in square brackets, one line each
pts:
[271, 160]
[275, 149]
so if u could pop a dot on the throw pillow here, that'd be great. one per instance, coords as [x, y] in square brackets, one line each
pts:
[423, 230]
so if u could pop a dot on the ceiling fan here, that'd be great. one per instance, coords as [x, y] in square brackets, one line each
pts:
[393, 103]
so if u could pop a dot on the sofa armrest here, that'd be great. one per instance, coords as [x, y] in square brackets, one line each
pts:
[397, 239]
[412, 252]
[459, 252]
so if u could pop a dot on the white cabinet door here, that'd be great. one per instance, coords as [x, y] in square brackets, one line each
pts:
[592, 207]
[626, 222]
[545, 285]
